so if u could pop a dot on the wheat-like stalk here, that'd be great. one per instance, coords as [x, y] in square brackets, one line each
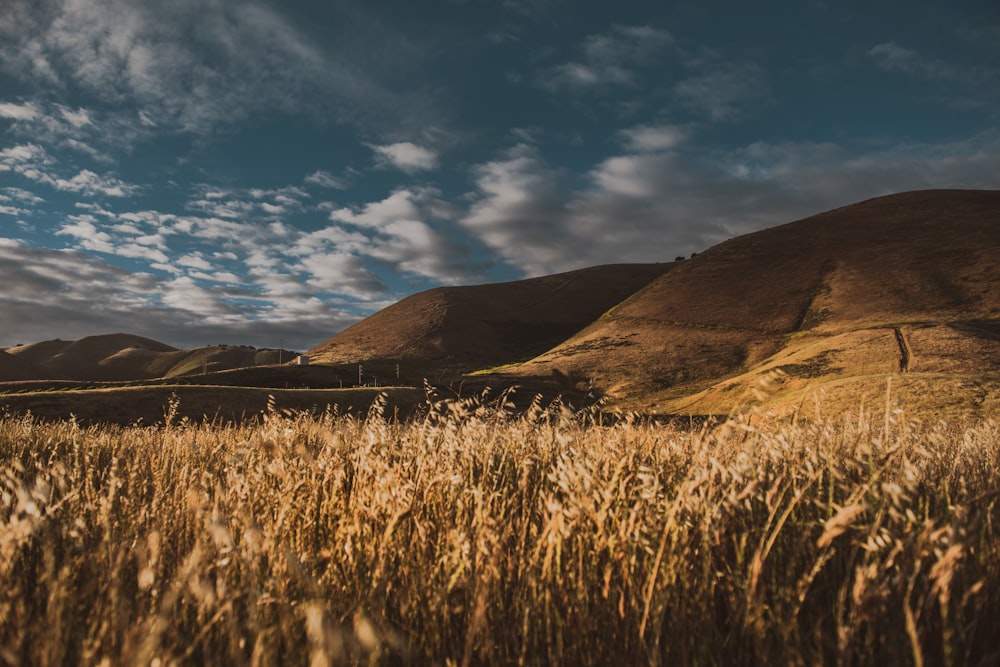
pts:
[473, 535]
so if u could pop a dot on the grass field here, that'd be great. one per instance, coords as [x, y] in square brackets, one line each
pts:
[473, 536]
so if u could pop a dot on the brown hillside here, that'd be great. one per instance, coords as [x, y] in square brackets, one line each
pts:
[903, 262]
[487, 325]
[124, 357]
[13, 368]
[83, 358]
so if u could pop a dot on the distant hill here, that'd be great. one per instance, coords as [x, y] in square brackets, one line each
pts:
[469, 328]
[13, 368]
[125, 357]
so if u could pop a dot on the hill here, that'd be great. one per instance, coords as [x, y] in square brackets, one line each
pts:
[897, 295]
[125, 357]
[13, 368]
[902, 283]
[469, 328]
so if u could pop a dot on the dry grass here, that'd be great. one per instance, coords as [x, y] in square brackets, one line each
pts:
[472, 536]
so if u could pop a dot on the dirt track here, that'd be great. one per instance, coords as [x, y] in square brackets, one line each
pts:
[905, 353]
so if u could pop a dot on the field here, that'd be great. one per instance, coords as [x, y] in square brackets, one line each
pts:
[473, 535]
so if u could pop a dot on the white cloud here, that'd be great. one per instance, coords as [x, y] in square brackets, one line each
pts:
[325, 179]
[33, 162]
[89, 183]
[406, 156]
[23, 157]
[520, 211]
[650, 139]
[195, 261]
[341, 273]
[23, 111]
[76, 117]
[184, 293]
[58, 126]
[13, 211]
[188, 65]
[20, 195]
[248, 203]
[376, 215]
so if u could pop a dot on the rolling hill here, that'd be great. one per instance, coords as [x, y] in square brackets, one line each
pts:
[12, 369]
[469, 328]
[891, 301]
[125, 357]
[906, 283]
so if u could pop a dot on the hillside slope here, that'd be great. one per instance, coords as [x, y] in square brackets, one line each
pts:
[475, 327]
[12, 369]
[916, 271]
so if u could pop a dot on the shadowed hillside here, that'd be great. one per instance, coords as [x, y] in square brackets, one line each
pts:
[14, 368]
[470, 328]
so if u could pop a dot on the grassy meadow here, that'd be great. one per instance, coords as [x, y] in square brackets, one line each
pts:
[472, 535]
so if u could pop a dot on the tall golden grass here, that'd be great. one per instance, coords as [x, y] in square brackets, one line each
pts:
[474, 536]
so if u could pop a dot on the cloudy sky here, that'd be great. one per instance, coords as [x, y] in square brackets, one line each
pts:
[253, 171]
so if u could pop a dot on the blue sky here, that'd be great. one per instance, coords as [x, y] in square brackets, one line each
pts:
[249, 172]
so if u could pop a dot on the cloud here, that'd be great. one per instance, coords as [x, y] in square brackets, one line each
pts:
[58, 126]
[608, 60]
[248, 203]
[644, 206]
[24, 157]
[235, 270]
[187, 65]
[647, 138]
[30, 161]
[13, 211]
[19, 195]
[52, 293]
[76, 117]
[85, 230]
[725, 92]
[325, 179]
[23, 111]
[89, 183]
[520, 210]
[893, 57]
[963, 85]
[34, 162]
[396, 233]
[406, 156]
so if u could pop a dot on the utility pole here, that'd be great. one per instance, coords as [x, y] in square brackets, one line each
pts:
[397, 373]
[359, 375]
[281, 344]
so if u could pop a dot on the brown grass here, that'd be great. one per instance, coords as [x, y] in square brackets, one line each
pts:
[474, 537]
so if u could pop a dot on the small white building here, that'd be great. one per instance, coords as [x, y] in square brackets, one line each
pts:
[302, 360]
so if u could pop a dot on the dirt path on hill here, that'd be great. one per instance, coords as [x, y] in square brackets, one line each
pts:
[904, 350]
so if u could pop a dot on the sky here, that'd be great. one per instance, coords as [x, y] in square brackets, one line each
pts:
[269, 172]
